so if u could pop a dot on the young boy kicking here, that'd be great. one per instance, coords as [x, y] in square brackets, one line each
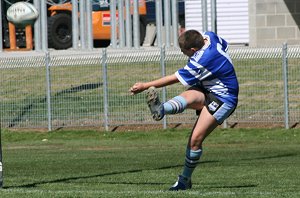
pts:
[212, 90]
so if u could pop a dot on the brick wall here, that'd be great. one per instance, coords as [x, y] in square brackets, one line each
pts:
[273, 22]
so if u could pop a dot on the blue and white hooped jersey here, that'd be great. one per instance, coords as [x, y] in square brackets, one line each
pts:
[212, 69]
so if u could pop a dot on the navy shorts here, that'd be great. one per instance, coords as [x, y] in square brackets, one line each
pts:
[217, 108]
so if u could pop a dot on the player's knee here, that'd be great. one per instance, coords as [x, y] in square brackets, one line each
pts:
[195, 144]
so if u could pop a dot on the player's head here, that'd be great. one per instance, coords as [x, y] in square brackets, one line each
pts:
[190, 41]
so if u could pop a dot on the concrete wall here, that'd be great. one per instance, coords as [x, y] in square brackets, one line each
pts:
[273, 22]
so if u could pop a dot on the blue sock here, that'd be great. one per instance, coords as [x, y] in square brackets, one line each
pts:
[192, 158]
[175, 105]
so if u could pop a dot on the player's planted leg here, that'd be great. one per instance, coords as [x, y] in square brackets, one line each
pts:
[182, 183]
[191, 160]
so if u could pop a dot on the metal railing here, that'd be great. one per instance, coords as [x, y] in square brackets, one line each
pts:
[76, 88]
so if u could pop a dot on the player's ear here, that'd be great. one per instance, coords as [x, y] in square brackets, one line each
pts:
[194, 49]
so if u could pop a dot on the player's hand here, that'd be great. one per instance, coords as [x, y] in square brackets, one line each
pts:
[137, 88]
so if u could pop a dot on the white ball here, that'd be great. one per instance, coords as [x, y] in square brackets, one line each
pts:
[22, 13]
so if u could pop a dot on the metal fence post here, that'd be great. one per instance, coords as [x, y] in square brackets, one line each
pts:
[175, 22]
[83, 35]
[285, 85]
[167, 22]
[75, 24]
[225, 124]
[136, 24]
[89, 25]
[37, 28]
[204, 15]
[48, 80]
[158, 14]
[113, 24]
[105, 88]
[121, 23]
[44, 25]
[163, 73]
[214, 16]
[128, 28]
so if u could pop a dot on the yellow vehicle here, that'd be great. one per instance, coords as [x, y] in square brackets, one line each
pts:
[60, 24]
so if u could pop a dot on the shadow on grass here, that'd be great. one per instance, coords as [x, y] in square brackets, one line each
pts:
[68, 179]
[236, 186]
[273, 157]
[30, 106]
[32, 185]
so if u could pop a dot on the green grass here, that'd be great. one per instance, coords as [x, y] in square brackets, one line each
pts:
[235, 163]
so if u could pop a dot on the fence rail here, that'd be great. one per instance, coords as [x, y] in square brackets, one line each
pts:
[90, 88]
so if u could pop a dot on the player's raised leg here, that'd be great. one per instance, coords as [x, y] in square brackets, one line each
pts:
[173, 106]
[154, 104]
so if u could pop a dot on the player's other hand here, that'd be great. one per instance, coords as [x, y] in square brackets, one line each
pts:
[137, 88]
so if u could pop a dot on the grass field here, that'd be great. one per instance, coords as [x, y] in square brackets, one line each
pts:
[235, 163]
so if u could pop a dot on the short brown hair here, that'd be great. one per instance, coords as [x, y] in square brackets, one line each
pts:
[191, 39]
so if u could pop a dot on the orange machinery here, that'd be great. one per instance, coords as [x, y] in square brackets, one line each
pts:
[60, 24]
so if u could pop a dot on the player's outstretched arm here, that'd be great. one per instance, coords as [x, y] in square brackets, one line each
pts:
[162, 82]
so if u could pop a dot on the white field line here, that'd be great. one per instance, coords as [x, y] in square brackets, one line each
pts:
[153, 192]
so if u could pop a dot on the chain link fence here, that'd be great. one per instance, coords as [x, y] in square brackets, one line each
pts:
[90, 88]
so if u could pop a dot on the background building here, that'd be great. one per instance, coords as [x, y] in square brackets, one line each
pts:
[254, 22]
[273, 22]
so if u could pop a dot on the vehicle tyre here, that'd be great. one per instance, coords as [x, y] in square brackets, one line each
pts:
[60, 31]
[101, 43]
